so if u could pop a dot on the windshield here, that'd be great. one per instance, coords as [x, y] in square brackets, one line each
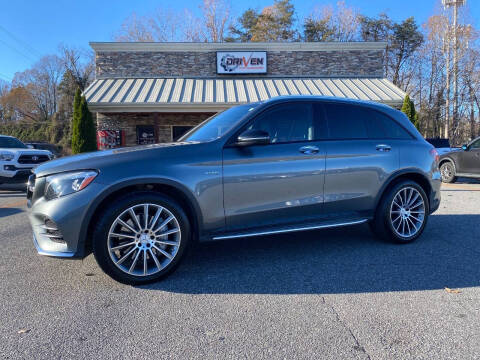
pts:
[218, 124]
[11, 143]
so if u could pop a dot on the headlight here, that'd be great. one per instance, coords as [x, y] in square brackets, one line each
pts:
[6, 156]
[67, 183]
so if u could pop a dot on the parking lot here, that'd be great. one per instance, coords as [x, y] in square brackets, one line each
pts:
[324, 294]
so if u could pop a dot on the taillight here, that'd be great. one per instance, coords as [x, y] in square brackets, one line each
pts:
[435, 155]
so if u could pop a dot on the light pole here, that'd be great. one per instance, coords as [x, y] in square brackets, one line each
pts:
[455, 4]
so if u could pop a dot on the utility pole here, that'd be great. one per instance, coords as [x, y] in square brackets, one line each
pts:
[447, 91]
[455, 4]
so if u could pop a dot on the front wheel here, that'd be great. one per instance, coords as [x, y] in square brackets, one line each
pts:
[402, 213]
[447, 170]
[141, 238]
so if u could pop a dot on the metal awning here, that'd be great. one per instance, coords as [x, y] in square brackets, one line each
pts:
[213, 94]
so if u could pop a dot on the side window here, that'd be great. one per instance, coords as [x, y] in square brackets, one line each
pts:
[392, 129]
[287, 123]
[357, 122]
[345, 122]
[475, 145]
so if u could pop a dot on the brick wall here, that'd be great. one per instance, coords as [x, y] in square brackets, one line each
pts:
[203, 64]
[163, 123]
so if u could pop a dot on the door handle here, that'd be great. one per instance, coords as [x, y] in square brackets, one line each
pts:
[384, 147]
[308, 150]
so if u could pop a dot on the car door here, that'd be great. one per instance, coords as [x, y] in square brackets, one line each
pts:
[360, 158]
[279, 183]
[469, 160]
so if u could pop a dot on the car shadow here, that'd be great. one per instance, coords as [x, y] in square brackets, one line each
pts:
[345, 260]
[4, 212]
[462, 180]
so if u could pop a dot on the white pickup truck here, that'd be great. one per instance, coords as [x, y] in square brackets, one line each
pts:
[17, 160]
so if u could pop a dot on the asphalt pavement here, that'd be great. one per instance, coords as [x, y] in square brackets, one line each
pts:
[333, 294]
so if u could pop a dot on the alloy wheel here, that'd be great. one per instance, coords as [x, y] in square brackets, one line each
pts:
[407, 212]
[447, 172]
[144, 239]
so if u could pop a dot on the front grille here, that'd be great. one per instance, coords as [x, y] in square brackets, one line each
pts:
[32, 159]
[51, 231]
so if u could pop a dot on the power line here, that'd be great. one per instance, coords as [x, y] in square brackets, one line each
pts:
[17, 51]
[5, 77]
[25, 45]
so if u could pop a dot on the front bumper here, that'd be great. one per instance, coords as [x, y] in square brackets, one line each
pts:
[53, 253]
[66, 213]
[435, 195]
[15, 177]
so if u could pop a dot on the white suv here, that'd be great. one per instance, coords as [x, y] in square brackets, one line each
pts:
[17, 160]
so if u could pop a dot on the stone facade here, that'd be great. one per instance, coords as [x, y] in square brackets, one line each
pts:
[203, 64]
[198, 60]
[163, 123]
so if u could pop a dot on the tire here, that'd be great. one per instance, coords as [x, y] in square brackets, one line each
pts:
[393, 224]
[447, 170]
[137, 252]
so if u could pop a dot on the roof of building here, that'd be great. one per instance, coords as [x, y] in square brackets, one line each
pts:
[214, 94]
[228, 46]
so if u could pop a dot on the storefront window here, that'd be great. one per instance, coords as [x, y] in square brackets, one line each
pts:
[146, 134]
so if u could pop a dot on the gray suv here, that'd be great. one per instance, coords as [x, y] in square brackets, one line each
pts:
[284, 165]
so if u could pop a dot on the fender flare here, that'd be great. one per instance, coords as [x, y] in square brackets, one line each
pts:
[395, 176]
[82, 241]
[448, 158]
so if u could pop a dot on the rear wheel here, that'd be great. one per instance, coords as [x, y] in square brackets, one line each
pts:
[141, 238]
[402, 213]
[447, 169]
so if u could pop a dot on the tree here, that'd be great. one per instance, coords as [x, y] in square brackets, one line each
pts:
[41, 83]
[315, 29]
[408, 109]
[243, 30]
[332, 24]
[168, 25]
[216, 14]
[83, 128]
[375, 29]
[275, 23]
[406, 39]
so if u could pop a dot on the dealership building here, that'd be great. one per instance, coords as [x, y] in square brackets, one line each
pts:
[154, 92]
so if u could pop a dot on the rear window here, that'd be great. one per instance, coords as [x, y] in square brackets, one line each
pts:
[357, 122]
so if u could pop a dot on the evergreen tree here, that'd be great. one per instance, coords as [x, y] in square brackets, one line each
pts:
[76, 138]
[408, 108]
[273, 23]
[83, 128]
[243, 30]
[318, 30]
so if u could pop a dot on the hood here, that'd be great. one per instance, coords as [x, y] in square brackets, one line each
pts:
[26, 151]
[98, 159]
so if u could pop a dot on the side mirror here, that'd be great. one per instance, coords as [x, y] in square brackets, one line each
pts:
[30, 146]
[464, 147]
[253, 137]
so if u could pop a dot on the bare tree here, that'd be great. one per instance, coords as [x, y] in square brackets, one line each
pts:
[41, 82]
[80, 64]
[216, 15]
[168, 25]
[135, 28]
[329, 23]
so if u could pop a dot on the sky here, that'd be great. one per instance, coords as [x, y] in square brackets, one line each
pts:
[30, 29]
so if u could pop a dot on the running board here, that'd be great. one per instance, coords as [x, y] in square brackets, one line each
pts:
[282, 231]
